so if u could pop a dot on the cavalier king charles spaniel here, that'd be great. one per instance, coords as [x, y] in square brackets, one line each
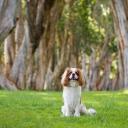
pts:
[72, 81]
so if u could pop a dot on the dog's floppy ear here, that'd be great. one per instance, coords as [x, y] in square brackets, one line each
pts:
[81, 78]
[64, 79]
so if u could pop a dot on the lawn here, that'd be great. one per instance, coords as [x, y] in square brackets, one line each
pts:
[29, 109]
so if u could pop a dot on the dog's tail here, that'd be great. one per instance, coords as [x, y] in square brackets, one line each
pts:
[86, 111]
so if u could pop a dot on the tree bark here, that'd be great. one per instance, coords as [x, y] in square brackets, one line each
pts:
[120, 17]
[85, 72]
[19, 67]
[7, 84]
[47, 44]
[39, 26]
[9, 53]
[95, 65]
[105, 80]
[19, 30]
[8, 9]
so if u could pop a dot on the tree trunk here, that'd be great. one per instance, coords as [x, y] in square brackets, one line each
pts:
[19, 31]
[59, 69]
[94, 65]
[93, 72]
[67, 41]
[47, 45]
[39, 27]
[85, 72]
[105, 81]
[19, 67]
[120, 17]
[7, 84]
[8, 10]
[9, 53]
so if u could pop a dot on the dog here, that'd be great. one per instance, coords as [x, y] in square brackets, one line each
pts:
[72, 81]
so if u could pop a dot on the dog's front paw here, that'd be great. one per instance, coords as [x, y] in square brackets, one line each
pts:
[67, 114]
[77, 114]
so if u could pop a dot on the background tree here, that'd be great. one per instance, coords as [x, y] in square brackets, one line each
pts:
[52, 35]
[120, 14]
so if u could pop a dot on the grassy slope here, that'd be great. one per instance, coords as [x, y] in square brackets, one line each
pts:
[27, 109]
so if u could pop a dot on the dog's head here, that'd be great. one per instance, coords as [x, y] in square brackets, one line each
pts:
[73, 75]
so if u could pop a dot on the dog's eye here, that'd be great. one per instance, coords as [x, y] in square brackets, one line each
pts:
[69, 73]
[77, 72]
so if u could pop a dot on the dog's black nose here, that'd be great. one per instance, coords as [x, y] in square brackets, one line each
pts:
[73, 74]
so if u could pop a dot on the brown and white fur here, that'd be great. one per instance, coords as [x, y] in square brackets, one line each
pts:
[72, 81]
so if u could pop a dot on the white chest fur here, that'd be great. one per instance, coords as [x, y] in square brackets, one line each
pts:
[71, 96]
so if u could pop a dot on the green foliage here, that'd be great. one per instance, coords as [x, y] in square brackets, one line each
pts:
[113, 45]
[85, 27]
[24, 109]
[90, 21]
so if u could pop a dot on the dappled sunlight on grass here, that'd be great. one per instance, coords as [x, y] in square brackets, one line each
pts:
[125, 92]
[125, 104]
[2, 95]
[104, 93]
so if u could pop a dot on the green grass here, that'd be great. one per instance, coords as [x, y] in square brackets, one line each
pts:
[28, 109]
